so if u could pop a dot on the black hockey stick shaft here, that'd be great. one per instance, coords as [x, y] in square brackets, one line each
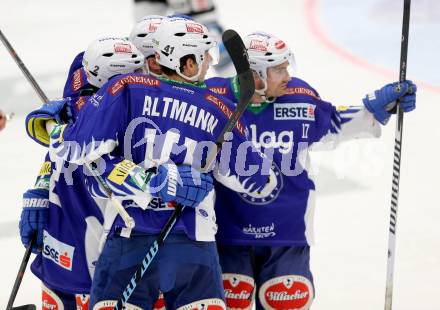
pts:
[23, 68]
[20, 274]
[236, 49]
[397, 161]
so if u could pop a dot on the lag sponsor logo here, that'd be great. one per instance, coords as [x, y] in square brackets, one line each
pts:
[287, 292]
[58, 252]
[294, 111]
[239, 290]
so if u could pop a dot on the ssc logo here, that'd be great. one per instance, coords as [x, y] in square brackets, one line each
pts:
[255, 200]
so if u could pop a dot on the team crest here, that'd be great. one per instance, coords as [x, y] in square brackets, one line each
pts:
[255, 200]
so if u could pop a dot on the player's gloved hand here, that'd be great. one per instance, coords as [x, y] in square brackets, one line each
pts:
[382, 102]
[58, 110]
[33, 217]
[181, 184]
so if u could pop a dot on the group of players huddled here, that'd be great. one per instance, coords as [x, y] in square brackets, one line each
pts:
[141, 114]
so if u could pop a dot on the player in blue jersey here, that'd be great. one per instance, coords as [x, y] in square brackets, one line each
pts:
[60, 210]
[165, 121]
[264, 244]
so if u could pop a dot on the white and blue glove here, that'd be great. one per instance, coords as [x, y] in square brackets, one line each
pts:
[58, 110]
[181, 184]
[382, 102]
[33, 217]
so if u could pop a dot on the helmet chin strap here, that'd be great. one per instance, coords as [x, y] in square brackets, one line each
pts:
[262, 92]
[193, 78]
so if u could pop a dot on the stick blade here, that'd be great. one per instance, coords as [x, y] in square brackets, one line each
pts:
[25, 307]
[237, 50]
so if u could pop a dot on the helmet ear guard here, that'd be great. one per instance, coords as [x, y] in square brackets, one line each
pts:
[107, 57]
[177, 37]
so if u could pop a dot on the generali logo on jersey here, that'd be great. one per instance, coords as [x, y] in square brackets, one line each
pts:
[193, 27]
[287, 292]
[122, 48]
[58, 252]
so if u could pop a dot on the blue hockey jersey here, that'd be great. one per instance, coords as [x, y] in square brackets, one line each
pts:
[75, 222]
[151, 121]
[287, 128]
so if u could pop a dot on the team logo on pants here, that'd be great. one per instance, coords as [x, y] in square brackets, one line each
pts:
[82, 301]
[239, 290]
[205, 304]
[287, 292]
[160, 303]
[50, 300]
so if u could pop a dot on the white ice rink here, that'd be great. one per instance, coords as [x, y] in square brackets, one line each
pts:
[344, 49]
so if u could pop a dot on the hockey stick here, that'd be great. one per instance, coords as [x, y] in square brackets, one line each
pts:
[236, 49]
[19, 278]
[397, 160]
[128, 220]
[23, 68]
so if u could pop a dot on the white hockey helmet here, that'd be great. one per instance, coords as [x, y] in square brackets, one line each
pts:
[142, 34]
[177, 37]
[265, 51]
[107, 57]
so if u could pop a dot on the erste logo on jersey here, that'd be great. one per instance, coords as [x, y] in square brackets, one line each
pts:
[254, 199]
[239, 290]
[294, 111]
[287, 292]
[58, 252]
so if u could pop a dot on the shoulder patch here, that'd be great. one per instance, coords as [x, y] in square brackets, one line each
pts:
[77, 80]
[225, 110]
[301, 91]
[118, 85]
[219, 90]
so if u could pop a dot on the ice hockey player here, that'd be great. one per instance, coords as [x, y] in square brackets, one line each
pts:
[67, 221]
[264, 244]
[163, 121]
[141, 36]
[202, 11]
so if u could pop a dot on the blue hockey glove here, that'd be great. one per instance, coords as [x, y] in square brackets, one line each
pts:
[181, 184]
[33, 217]
[58, 110]
[382, 103]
